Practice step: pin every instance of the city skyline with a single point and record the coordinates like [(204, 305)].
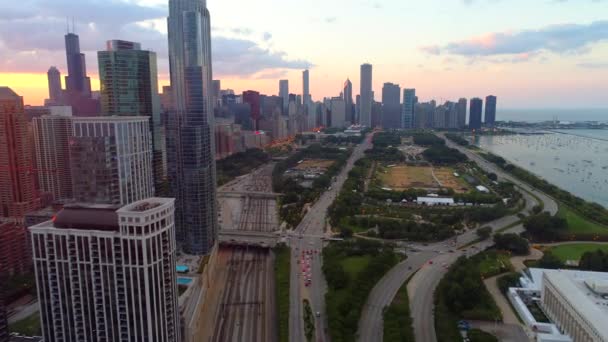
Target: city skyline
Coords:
[(488, 56)]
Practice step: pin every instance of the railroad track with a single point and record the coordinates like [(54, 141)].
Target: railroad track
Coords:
[(243, 314)]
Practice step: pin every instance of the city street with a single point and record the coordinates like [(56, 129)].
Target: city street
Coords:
[(308, 235)]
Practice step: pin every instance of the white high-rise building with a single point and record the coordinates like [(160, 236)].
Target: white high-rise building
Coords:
[(104, 274), (367, 97), (111, 159), (407, 113), (52, 134)]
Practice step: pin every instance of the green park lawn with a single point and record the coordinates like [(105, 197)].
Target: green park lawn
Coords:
[(491, 265), (575, 251), (578, 224), (29, 326), (355, 264)]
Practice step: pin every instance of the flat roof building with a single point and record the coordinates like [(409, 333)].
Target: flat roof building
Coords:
[(105, 273)]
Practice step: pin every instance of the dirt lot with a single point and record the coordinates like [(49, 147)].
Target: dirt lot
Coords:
[(314, 163), (404, 177)]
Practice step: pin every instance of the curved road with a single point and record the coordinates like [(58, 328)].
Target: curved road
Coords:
[(422, 286)]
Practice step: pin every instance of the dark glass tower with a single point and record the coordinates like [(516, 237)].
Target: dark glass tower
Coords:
[(76, 81), (490, 115), (475, 113), (190, 142)]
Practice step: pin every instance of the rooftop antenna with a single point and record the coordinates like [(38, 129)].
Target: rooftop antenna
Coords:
[(73, 25), (67, 24)]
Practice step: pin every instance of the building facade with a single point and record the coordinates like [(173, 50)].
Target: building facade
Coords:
[(111, 159), (55, 90), (284, 92), (409, 104), (52, 135), (391, 106), (365, 107), (15, 257), (348, 102), (338, 112), (104, 274), (475, 113), (306, 99), (461, 109), (490, 113), (129, 87), (190, 138), (17, 185)]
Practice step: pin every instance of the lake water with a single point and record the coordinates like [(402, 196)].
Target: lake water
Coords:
[(575, 160)]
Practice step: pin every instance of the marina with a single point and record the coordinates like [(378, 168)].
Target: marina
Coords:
[(575, 160)]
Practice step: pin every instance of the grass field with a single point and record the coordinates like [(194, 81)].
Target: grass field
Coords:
[(29, 326), (404, 177), (575, 251), (355, 264), (491, 265), (578, 224), (314, 163)]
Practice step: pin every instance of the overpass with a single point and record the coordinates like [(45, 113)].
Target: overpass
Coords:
[(248, 194), (247, 238)]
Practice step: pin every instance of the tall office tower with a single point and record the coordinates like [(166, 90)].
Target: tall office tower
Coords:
[(451, 113), (348, 102), (284, 92), (462, 113), (358, 109), (17, 191), (15, 256), (52, 154), (338, 112), (252, 98), (439, 116), (111, 159), (475, 113), (76, 81), (391, 106), (306, 89), (365, 115), (217, 89), (129, 87), (108, 275), (407, 112), (55, 91), (191, 144), (490, 114)]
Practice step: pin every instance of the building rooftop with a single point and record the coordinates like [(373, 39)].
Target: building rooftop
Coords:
[(576, 287), (145, 205), (87, 217), (7, 93)]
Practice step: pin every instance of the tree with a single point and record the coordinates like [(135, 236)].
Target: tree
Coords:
[(513, 243), (484, 233), (594, 261), (545, 227), (549, 260), (492, 176)]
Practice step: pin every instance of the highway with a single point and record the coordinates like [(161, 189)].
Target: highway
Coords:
[(422, 286), (308, 236)]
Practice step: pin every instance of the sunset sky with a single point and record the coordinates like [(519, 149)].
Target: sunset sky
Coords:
[(530, 53)]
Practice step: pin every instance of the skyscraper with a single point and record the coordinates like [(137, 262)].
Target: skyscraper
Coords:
[(129, 87), (348, 101), (461, 108), (305, 88), (111, 159), (475, 113), (55, 91), (108, 275), (407, 113), (490, 114), (391, 106), (17, 192), (284, 93), (190, 142), (338, 112), (52, 134), (76, 82), (365, 115), (252, 98), (217, 89)]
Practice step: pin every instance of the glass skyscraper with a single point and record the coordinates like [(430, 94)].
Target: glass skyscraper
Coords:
[(129, 87), (190, 143), (475, 113)]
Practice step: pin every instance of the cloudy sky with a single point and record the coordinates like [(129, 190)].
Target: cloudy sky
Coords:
[(531, 53)]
